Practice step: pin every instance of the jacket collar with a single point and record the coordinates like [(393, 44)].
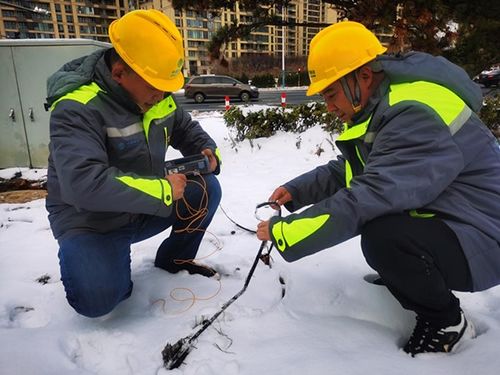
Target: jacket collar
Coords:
[(372, 103)]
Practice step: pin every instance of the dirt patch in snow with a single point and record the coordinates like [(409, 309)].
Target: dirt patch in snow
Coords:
[(21, 190), (22, 196)]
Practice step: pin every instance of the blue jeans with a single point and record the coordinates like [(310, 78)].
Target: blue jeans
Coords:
[(95, 267)]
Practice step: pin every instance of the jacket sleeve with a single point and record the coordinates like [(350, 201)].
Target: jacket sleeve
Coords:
[(189, 137), (316, 185), (413, 160), (86, 179)]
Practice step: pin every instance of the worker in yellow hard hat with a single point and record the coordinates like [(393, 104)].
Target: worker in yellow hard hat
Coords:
[(418, 179), (113, 118)]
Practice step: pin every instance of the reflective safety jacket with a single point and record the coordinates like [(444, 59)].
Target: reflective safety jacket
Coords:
[(418, 148), (106, 163)]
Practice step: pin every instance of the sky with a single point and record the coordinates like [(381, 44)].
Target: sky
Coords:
[(321, 318)]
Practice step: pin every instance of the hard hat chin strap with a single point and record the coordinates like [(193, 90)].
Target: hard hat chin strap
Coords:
[(354, 98)]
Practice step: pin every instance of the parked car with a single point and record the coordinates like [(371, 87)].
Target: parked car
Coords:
[(489, 76), (204, 87)]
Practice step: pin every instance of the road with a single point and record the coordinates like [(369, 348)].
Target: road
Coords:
[(270, 97), (266, 97)]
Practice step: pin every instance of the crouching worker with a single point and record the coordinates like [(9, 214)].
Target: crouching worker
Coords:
[(419, 180), (113, 117)]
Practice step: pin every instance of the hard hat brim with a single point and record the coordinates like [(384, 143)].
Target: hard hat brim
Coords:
[(166, 85), (319, 86)]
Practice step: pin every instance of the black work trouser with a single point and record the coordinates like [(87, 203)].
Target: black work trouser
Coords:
[(420, 261)]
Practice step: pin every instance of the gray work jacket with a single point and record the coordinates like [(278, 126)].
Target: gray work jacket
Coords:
[(419, 148)]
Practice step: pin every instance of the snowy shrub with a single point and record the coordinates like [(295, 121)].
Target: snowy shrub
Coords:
[(267, 122)]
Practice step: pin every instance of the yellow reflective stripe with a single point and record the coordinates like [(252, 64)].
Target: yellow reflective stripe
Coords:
[(289, 234), (355, 131), (442, 100), (159, 188), (218, 154), (348, 174), (359, 156), (423, 215), (83, 94), (161, 109)]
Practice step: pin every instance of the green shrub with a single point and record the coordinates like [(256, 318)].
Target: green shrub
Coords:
[(263, 80), (297, 79), (267, 122), (490, 114), (243, 78)]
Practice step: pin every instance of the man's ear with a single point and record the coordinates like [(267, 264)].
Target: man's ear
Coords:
[(118, 71), (365, 75)]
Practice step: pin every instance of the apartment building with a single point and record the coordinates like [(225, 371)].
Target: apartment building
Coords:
[(36, 19), (90, 19), (197, 29)]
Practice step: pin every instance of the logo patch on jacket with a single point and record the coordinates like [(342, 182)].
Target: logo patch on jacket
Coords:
[(124, 145)]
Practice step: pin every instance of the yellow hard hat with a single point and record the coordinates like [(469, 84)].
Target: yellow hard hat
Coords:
[(338, 50), (149, 42)]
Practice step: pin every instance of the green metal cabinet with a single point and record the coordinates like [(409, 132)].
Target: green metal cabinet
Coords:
[(25, 66)]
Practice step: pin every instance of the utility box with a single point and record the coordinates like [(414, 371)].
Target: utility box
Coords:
[(25, 65)]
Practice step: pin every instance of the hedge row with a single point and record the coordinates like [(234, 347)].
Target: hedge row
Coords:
[(269, 80), (267, 122)]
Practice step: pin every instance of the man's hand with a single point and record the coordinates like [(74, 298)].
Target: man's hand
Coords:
[(178, 184), (212, 160), (280, 196), (263, 231)]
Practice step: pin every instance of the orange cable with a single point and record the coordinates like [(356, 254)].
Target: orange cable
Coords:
[(194, 214)]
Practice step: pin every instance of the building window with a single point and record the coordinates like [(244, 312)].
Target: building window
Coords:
[(10, 25), (45, 27), (197, 34), (196, 23)]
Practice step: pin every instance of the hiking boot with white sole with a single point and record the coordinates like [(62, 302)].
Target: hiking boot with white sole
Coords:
[(427, 338)]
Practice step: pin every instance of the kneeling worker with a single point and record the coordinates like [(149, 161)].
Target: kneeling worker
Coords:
[(113, 118)]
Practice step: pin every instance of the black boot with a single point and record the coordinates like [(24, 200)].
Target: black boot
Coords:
[(188, 265), (427, 338)]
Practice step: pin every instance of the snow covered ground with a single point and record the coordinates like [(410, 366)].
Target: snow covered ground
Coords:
[(330, 321)]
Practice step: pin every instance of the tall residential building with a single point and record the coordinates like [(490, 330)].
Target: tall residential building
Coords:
[(90, 19), (197, 28), (37, 19)]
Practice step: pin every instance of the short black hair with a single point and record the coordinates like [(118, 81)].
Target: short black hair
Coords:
[(113, 57)]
